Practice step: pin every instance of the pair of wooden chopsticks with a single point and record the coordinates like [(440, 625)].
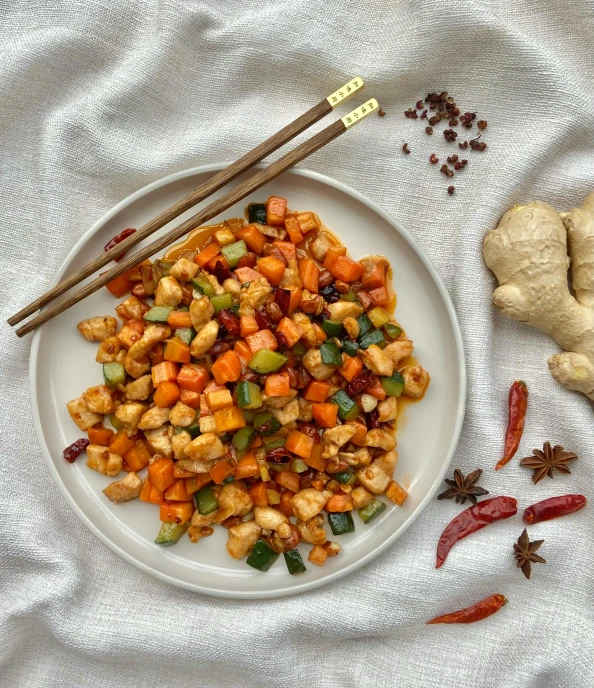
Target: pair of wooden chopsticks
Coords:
[(213, 184)]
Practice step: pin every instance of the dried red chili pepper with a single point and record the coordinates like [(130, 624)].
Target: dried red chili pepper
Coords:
[(118, 240), (229, 321), (476, 612), (472, 519), (517, 403), (72, 452), (553, 508)]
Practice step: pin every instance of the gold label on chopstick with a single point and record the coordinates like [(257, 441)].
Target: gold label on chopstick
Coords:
[(360, 112), (346, 91)]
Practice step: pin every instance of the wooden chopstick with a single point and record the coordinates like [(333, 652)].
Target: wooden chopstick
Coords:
[(259, 179), (204, 191)]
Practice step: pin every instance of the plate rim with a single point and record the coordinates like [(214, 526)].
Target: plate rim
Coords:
[(297, 587)]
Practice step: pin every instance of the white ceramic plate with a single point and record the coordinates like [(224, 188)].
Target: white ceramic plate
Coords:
[(63, 365)]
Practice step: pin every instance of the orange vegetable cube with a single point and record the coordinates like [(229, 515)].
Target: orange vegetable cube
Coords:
[(161, 473), (286, 504), (287, 249), (150, 494), (277, 385), (351, 367), (181, 473), (253, 238), (395, 493), (272, 268), (194, 483), (308, 221), (189, 398), (293, 229), (120, 285), (247, 325), (227, 419), (227, 368), (360, 431), (276, 209), (288, 480), (179, 319), (247, 275), (259, 494), (176, 512), (262, 340), (379, 296), (324, 414), (346, 269), (193, 377), (177, 351), (375, 389), (99, 434), (339, 503), (210, 252), (219, 399), (164, 372), (315, 460), (299, 443), (333, 253), (290, 331), (317, 391), (374, 273), (212, 264), (309, 273), (167, 395), (137, 457), (242, 349), (317, 555), (247, 467), (121, 443), (177, 492), (221, 470), (321, 336), (131, 332)]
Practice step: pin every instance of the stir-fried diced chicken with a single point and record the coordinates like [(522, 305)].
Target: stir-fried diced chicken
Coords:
[(99, 399), (103, 461), (154, 418), (316, 367), (125, 489), (312, 531), (288, 413), (129, 414), (242, 538), (108, 350), (377, 361), (271, 519), (183, 270), (379, 437), (309, 502), (99, 328), (320, 246), (205, 447), (201, 312), (415, 381), (168, 292), (80, 414), (344, 309), (160, 440), (373, 478), (179, 442), (204, 339), (254, 296), (234, 500), (399, 350), (139, 389), (181, 415), (339, 435), (387, 409)]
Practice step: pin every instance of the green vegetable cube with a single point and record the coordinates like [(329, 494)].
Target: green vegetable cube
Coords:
[(158, 313), (378, 316), (233, 252), (393, 385), (262, 557), (114, 374), (294, 562), (266, 361)]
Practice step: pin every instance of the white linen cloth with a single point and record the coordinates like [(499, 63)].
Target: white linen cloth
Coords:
[(98, 98)]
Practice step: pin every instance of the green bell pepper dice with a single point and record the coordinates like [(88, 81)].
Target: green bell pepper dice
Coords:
[(114, 374), (233, 252), (294, 562), (347, 408), (332, 329), (243, 438), (330, 353), (266, 424), (220, 301), (257, 213), (205, 500), (364, 324), (341, 523), (249, 395), (170, 533), (262, 557), (186, 334), (349, 346), (203, 285), (375, 337), (393, 385), (373, 509), (266, 361), (158, 313), (392, 330)]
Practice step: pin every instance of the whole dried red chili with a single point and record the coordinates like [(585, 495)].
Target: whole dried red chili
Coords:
[(553, 508), (472, 519), (476, 612), (517, 404), (229, 321), (72, 452), (118, 240)]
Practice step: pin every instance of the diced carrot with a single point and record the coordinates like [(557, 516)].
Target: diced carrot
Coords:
[(289, 480), (360, 431), (161, 473), (276, 209), (286, 505), (196, 482), (308, 221), (189, 398), (204, 407), (120, 285), (137, 457), (338, 503), (167, 394), (99, 434), (212, 386), (247, 325), (290, 331), (120, 443), (262, 340), (374, 273), (375, 389), (220, 471), (258, 494), (207, 254), (277, 385), (346, 269), (219, 399), (227, 368), (181, 473), (295, 298), (379, 296), (135, 274), (179, 319), (315, 460), (258, 442), (351, 367), (228, 419), (212, 264), (177, 492), (247, 467), (293, 229), (272, 268), (317, 391), (333, 253), (243, 350), (318, 484), (176, 512), (317, 555), (309, 273), (177, 351), (253, 237), (193, 377), (299, 443), (150, 493), (164, 372), (131, 332), (321, 336), (395, 493), (287, 249), (247, 275), (157, 354), (324, 414)]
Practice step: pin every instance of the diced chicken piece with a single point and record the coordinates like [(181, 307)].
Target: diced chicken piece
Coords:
[(278, 402), (224, 236), (319, 246), (134, 307), (130, 414), (201, 312), (202, 520), (140, 389), (379, 437), (377, 361), (399, 349), (363, 456), (388, 462), (195, 465), (309, 502), (80, 414), (341, 310), (416, 380), (274, 232), (183, 270), (288, 413), (368, 402), (352, 327), (387, 409), (204, 339), (207, 447), (125, 489), (312, 531), (108, 350), (242, 538), (137, 362), (99, 399), (168, 292), (179, 442), (330, 449), (361, 497), (291, 276), (160, 440), (271, 519), (154, 418), (254, 296), (305, 410), (234, 500), (305, 327), (339, 435), (316, 367), (103, 461), (207, 424), (373, 478), (181, 415), (233, 287), (99, 328)]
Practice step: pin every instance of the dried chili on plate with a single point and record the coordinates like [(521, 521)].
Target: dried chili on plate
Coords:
[(118, 240), (72, 452), (553, 508), (476, 612), (518, 403)]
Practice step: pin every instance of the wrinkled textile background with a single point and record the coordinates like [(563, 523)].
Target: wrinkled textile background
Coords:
[(100, 97)]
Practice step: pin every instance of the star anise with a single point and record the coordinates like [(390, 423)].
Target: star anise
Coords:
[(463, 488), (549, 459), (524, 553)]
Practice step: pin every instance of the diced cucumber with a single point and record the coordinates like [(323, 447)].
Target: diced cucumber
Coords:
[(349, 346), (373, 509), (116, 422), (186, 334), (249, 395), (257, 213), (193, 429), (347, 408), (220, 301), (392, 330), (341, 523), (393, 385), (262, 557), (203, 285), (233, 252), (158, 313), (374, 337), (266, 361), (298, 465), (364, 324), (243, 438), (344, 477), (275, 444), (170, 533), (205, 500), (294, 562), (378, 316), (330, 353), (299, 349), (266, 424), (349, 296), (332, 329), (114, 374)]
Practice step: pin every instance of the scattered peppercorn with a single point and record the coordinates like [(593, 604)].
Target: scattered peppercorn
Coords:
[(433, 159), (477, 145), (453, 122), (451, 189), (458, 166), (450, 135), (419, 104), (424, 114), (482, 124), (405, 148), (464, 163), (429, 130), (444, 169), (436, 119), (463, 145), (381, 112)]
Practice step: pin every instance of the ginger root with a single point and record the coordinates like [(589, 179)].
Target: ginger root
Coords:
[(530, 252)]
